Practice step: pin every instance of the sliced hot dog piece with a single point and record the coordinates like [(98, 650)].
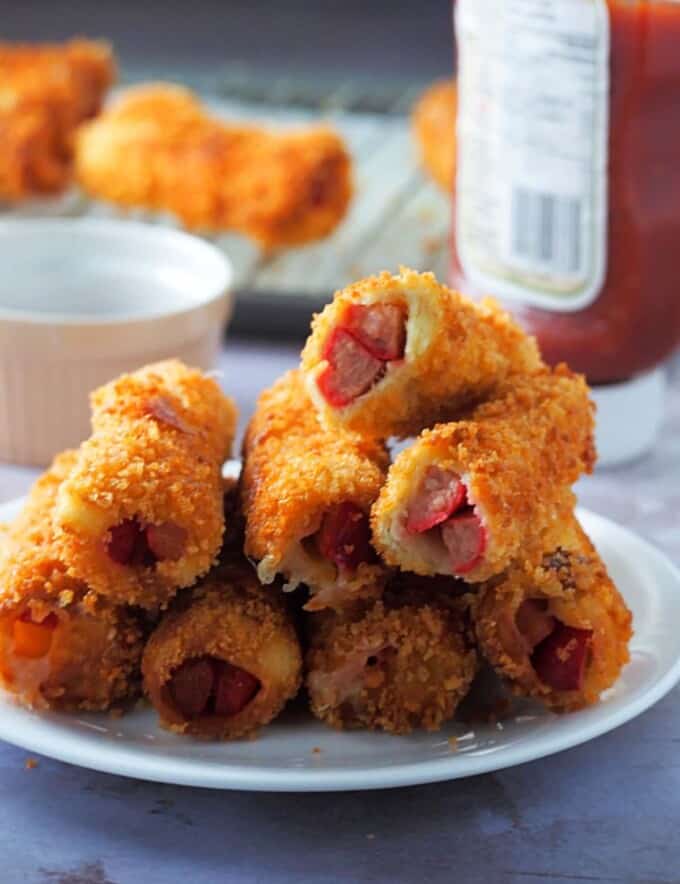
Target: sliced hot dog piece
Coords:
[(128, 544), (132, 544), (191, 687), (534, 622), (166, 541), (465, 538), (123, 540), (560, 659), (351, 369), (234, 688), (344, 537), (380, 328), (440, 494), (31, 639)]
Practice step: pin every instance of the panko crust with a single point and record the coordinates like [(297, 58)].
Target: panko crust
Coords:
[(293, 471), (159, 148), (30, 161), (95, 655), (422, 667), (159, 438), (232, 617), (433, 123), (46, 90), (518, 454), (456, 352), (574, 581)]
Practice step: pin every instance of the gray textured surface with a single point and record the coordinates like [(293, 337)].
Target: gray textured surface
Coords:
[(606, 811)]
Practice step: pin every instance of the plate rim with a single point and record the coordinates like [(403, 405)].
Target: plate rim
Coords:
[(232, 775)]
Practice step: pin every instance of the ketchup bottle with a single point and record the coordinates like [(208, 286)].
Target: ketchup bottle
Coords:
[(567, 196)]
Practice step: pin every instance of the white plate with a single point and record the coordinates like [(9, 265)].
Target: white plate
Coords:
[(299, 754)]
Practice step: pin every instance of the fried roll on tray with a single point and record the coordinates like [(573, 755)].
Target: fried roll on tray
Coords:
[(31, 161), (391, 355), (225, 659), (401, 663), (45, 92), (555, 628), (467, 496), (159, 148), (306, 496), (141, 513), (61, 646), (434, 127)]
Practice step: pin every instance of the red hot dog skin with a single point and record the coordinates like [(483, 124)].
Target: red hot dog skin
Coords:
[(554, 626), (225, 659)]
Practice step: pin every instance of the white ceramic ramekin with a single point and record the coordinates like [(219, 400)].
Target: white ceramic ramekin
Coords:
[(82, 301)]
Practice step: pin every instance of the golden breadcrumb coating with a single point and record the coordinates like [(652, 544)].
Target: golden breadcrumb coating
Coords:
[(45, 92), (228, 617), (294, 471), (456, 352), (517, 455), (571, 582), (61, 646), (400, 664), (433, 122), (31, 161), (160, 149), (160, 436)]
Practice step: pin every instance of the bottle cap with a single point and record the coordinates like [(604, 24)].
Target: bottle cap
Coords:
[(629, 417)]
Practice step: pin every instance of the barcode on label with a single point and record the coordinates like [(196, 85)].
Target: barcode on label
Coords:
[(546, 230)]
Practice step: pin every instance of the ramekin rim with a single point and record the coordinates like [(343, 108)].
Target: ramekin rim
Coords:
[(219, 290)]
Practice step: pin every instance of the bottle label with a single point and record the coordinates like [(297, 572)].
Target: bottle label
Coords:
[(531, 183)]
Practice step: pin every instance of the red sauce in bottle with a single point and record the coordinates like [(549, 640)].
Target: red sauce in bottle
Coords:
[(634, 322)]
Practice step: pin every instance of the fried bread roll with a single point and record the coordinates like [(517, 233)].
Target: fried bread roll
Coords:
[(391, 355), (433, 123), (141, 513), (554, 626), (158, 148), (401, 663), (467, 496), (225, 659), (61, 646), (31, 160), (306, 494), (45, 92)]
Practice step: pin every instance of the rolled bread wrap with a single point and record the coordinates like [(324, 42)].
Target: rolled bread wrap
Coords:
[(554, 626), (46, 90), (306, 494), (401, 663), (467, 496), (141, 513), (61, 646), (158, 148), (225, 659), (391, 355)]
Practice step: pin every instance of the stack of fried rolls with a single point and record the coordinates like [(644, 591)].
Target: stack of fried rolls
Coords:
[(110, 534), (473, 549), (382, 583)]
